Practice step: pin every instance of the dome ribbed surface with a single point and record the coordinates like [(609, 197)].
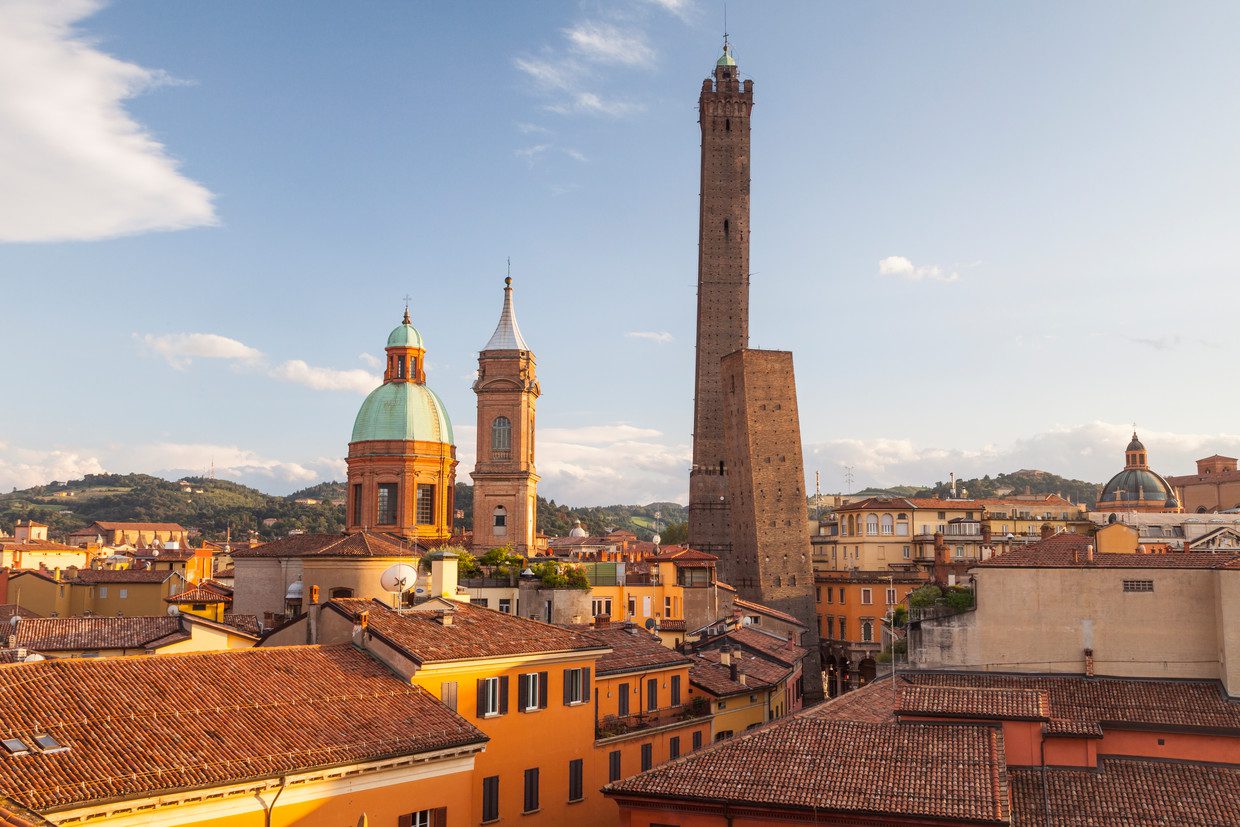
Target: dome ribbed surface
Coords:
[(405, 335), (1132, 481), (403, 410)]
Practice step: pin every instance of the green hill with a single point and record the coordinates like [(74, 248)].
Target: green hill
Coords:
[(212, 506), (1021, 482)]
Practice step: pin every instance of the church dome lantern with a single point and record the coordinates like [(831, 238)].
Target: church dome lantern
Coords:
[(1138, 487)]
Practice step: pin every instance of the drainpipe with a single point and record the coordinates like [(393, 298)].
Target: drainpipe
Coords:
[(267, 808)]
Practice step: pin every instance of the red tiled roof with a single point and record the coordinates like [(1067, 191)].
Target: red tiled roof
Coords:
[(107, 576), (9, 544), (844, 767), (1127, 793), (359, 544), (1077, 703), (632, 649), (767, 610), (936, 503), (975, 702), (666, 625), (762, 643), (474, 632), (244, 623), (135, 727), (682, 555), (67, 634), (1068, 550), (712, 676), (10, 610), (114, 526), (200, 594), (875, 703), (759, 669)]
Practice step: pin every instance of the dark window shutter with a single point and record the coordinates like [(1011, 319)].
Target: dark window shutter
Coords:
[(503, 695), (585, 684), (523, 691), (675, 690), (622, 700), (542, 690), (481, 708), (439, 817), (568, 684), (405, 821)]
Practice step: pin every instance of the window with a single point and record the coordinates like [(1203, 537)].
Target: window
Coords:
[(576, 685), (357, 504), (124, 593), (600, 606), (447, 694), (843, 628), (647, 756), (871, 523), (505, 605), (499, 521), (902, 527), (830, 627), (866, 597), (103, 591), (613, 765), (891, 597), (867, 631), (693, 578), (387, 503), (426, 504), (400, 368), (492, 696), (675, 690), (490, 798), (340, 592), (632, 607), (673, 746), (47, 743), (888, 524), (437, 817), (830, 594), (723, 735), (907, 552), (622, 700), (1138, 585), (841, 595), (532, 691), (501, 437), (531, 790), (667, 607), (15, 746), (942, 515), (959, 551), (574, 780), (652, 694), (697, 740)]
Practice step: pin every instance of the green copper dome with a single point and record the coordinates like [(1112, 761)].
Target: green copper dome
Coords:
[(726, 58), (403, 410), (405, 335)]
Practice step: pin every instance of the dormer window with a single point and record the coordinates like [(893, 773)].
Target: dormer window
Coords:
[(16, 746)]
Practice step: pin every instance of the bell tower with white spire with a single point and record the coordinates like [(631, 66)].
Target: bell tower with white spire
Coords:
[(505, 481)]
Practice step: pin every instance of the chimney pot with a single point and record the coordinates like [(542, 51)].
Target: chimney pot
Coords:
[(1089, 553), (733, 671), (1089, 663), (602, 621)]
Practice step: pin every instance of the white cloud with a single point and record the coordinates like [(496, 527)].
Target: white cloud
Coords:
[(180, 349), (604, 43), (661, 337), (532, 129), (1093, 451), (371, 360), (903, 268), (75, 165), (552, 74), (575, 155), (681, 8), (530, 153), (23, 467), (326, 379)]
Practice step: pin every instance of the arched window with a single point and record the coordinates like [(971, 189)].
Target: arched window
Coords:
[(888, 524), (871, 523), (340, 591), (400, 368), (778, 581), (867, 631), (499, 522), (501, 435), (852, 525)]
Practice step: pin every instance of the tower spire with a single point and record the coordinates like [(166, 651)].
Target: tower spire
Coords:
[(507, 335)]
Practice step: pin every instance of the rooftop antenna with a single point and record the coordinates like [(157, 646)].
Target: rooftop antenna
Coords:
[(725, 25), (848, 478), (818, 496)]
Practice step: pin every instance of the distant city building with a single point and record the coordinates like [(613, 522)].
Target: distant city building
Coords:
[(1137, 487), (402, 457), (1215, 486), (115, 534), (505, 480)]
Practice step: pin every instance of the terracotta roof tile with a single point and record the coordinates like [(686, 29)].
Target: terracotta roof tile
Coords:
[(633, 648), (712, 676), (115, 526), (474, 632), (67, 634), (767, 645), (976, 702), (767, 610), (845, 767), (359, 544), (204, 592), (138, 726), (764, 671), (36, 545), (875, 703), (10, 610), (1068, 550), (107, 576), (245, 623), (682, 555), (1127, 793)]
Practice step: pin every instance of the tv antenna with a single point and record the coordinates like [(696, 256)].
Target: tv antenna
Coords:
[(848, 478)]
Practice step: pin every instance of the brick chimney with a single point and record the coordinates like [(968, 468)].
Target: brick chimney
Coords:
[(725, 655), (733, 671), (940, 559), (1047, 530), (1089, 663), (602, 621)]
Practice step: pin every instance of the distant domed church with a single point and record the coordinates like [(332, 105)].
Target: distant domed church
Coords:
[(402, 458), (1137, 487)]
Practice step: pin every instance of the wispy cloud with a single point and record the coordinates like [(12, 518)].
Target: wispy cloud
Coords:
[(661, 337), (75, 165), (608, 44), (575, 155), (371, 360), (1171, 342), (180, 350), (532, 129), (530, 153), (901, 267), (684, 9)]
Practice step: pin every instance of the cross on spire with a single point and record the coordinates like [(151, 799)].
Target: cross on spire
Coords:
[(408, 298)]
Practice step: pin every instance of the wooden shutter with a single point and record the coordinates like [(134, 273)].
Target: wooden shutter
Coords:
[(542, 690), (405, 821), (568, 684), (503, 695), (481, 708), (675, 690), (585, 684), (523, 692), (439, 817), (622, 700)]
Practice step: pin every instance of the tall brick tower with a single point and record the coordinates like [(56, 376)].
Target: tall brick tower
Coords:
[(723, 291), (505, 482), (769, 561)]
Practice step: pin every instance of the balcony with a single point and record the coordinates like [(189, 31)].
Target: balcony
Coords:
[(614, 727)]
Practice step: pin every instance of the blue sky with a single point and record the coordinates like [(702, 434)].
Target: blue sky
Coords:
[(993, 235)]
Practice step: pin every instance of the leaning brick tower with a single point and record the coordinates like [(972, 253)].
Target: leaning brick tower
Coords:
[(723, 291)]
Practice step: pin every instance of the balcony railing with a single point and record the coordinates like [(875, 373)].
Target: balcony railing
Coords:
[(613, 725)]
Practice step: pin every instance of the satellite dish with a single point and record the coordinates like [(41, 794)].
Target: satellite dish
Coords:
[(34, 658), (650, 623), (14, 620), (399, 578), (173, 611)]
